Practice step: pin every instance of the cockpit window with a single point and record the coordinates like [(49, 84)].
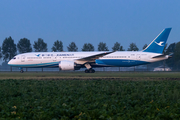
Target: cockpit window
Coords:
[(14, 58)]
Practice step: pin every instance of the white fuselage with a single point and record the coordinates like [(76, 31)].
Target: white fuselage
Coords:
[(52, 59), (76, 60)]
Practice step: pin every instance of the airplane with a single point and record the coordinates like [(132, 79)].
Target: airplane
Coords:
[(89, 60)]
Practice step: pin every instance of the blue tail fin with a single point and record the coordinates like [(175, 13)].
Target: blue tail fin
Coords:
[(158, 44)]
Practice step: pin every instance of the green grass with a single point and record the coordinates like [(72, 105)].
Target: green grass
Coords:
[(17, 75), (89, 99)]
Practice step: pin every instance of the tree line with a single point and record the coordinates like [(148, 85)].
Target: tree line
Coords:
[(9, 49)]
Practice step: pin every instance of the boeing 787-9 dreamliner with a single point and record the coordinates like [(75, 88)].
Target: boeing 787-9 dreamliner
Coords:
[(89, 60)]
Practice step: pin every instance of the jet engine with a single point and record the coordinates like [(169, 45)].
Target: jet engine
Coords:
[(68, 65)]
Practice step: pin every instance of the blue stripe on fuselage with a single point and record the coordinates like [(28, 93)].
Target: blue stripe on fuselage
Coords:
[(52, 64), (120, 62), (109, 62)]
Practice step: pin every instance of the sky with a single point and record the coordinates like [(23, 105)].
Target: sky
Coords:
[(89, 21)]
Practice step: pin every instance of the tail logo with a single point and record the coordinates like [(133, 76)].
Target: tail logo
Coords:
[(160, 43)]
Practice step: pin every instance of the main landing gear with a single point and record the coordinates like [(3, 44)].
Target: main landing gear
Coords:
[(89, 68), (89, 71)]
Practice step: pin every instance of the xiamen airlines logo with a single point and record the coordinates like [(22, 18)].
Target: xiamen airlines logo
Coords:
[(37, 55), (160, 43)]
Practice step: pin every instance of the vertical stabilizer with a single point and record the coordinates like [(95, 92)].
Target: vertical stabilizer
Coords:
[(158, 44)]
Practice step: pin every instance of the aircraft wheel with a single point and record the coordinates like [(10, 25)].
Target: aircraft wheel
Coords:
[(86, 71), (92, 71), (21, 71)]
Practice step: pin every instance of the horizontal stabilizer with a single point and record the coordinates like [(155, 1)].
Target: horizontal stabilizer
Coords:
[(161, 56)]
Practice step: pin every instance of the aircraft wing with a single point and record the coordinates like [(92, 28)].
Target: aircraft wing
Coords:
[(94, 57)]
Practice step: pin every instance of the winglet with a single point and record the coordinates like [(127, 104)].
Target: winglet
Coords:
[(158, 44)]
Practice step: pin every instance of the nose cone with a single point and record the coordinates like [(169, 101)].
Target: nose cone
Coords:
[(10, 62)]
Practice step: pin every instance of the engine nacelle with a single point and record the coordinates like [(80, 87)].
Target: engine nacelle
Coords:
[(68, 65)]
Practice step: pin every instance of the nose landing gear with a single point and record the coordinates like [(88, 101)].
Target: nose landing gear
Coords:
[(21, 70)]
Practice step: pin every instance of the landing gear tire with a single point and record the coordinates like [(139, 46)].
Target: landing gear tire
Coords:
[(21, 71), (92, 71), (86, 71), (89, 71)]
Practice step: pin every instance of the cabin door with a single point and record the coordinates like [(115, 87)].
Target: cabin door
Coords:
[(54, 58), (23, 58), (138, 56)]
